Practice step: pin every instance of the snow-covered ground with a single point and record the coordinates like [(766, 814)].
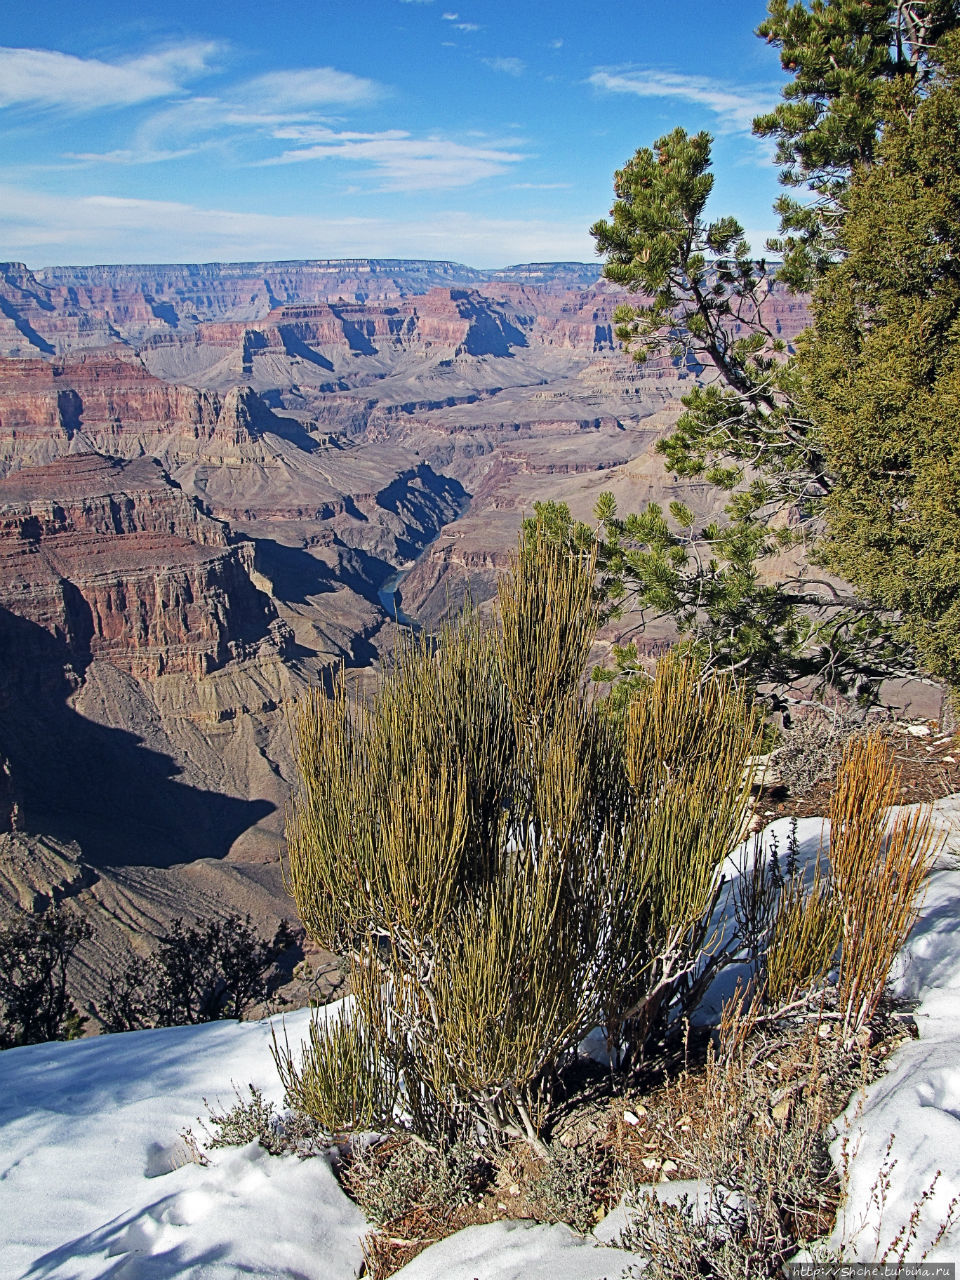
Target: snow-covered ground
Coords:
[(95, 1181)]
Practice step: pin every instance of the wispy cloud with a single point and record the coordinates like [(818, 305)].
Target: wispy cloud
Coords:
[(312, 87), (401, 162), (272, 106), (44, 229), (461, 26), (510, 66), (128, 156), (733, 105), (280, 117), (48, 78), (184, 122)]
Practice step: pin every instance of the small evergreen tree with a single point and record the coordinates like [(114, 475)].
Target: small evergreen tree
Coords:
[(749, 430), (35, 953), (199, 973), (843, 56)]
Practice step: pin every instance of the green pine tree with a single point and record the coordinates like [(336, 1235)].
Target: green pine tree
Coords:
[(881, 376), (749, 429)]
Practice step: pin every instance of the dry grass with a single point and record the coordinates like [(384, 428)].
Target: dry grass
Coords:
[(750, 1118), (877, 872), (751, 1123)]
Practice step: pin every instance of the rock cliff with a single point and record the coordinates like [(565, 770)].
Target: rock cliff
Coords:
[(114, 560), (208, 474)]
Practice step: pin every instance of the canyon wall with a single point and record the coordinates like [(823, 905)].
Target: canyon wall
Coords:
[(207, 475)]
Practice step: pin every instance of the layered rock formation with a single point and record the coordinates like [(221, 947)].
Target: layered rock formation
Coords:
[(109, 403), (208, 476), (114, 560), (66, 308)]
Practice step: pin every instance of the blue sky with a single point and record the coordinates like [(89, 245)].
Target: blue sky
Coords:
[(483, 131)]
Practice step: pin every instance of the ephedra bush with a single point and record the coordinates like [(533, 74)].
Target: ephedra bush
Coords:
[(506, 867), (847, 917)]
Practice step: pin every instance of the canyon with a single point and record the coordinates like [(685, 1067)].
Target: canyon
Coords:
[(211, 479)]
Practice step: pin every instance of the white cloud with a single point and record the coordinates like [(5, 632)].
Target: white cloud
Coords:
[(280, 114), (280, 104), (44, 229), (403, 163), (511, 66), (125, 156), (321, 133), (48, 78), (450, 17), (467, 26), (734, 105), (312, 87)]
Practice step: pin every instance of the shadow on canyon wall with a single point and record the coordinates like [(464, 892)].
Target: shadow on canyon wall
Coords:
[(75, 779)]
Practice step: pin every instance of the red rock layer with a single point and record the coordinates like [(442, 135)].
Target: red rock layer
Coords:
[(107, 401), (114, 560)]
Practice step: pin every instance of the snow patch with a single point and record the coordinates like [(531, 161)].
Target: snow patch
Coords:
[(517, 1251), (95, 1181)]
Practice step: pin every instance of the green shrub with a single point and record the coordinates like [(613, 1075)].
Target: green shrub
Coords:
[(343, 1080), (507, 867)]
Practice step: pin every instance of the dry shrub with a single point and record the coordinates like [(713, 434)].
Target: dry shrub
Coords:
[(391, 1179), (877, 870), (751, 1125), (508, 869), (811, 749), (569, 1187), (849, 917), (287, 1133), (413, 1194)]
